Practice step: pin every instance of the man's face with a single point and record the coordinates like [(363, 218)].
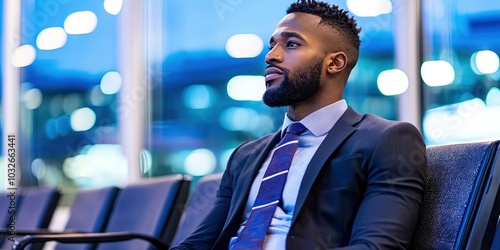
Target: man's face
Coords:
[(294, 87), (295, 61)]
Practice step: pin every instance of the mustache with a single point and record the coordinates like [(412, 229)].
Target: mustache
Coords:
[(278, 67)]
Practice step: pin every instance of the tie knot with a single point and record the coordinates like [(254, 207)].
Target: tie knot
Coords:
[(296, 128)]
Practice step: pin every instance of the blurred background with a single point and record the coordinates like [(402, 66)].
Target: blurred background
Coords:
[(105, 92)]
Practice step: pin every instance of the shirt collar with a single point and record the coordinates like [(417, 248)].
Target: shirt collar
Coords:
[(322, 120)]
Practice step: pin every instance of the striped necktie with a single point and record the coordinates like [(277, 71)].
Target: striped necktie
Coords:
[(270, 191)]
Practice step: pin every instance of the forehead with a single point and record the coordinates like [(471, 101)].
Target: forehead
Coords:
[(302, 23)]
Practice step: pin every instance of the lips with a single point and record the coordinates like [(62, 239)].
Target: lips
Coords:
[(272, 73)]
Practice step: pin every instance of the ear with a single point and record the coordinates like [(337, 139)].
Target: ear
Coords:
[(336, 62)]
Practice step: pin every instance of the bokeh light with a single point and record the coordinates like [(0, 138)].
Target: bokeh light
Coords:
[(371, 8), (485, 62), (111, 83), (392, 82), (51, 38), (23, 56), (200, 162), (113, 7), (81, 22), (246, 88), (82, 119), (244, 46), (32, 98), (199, 96), (437, 73)]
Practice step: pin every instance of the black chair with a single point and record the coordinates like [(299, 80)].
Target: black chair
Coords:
[(9, 204), (199, 205), (144, 214), (5, 204), (496, 240), (89, 213), (458, 210), (34, 212)]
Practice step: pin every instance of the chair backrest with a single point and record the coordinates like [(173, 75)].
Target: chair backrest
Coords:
[(38, 206), (36, 210), (458, 209), (89, 212), (9, 203), (152, 207), (4, 204), (197, 208)]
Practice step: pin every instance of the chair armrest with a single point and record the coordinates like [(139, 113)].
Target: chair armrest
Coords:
[(87, 238), (5, 231), (38, 231)]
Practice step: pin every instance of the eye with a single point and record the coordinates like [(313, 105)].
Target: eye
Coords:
[(271, 46), (291, 44)]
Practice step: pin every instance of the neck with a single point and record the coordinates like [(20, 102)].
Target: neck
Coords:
[(299, 111)]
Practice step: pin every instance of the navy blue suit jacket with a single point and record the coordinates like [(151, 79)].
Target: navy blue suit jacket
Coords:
[(362, 189)]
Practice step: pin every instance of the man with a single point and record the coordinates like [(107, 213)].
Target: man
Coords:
[(355, 181)]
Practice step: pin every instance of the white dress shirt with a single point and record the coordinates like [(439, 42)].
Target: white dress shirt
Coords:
[(318, 124)]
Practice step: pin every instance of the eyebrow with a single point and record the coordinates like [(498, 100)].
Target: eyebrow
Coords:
[(288, 34)]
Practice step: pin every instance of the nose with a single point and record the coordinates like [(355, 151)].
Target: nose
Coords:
[(274, 55)]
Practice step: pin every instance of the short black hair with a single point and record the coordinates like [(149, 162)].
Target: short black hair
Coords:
[(332, 16)]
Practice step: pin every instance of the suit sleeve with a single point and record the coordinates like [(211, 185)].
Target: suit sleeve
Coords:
[(388, 214), (210, 228)]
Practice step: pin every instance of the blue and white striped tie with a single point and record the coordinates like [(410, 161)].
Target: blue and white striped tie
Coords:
[(270, 191)]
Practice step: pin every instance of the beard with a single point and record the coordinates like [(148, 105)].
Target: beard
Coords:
[(296, 87)]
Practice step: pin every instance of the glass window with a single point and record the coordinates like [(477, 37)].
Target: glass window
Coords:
[(207, 94), (461, 96), (69, 96), (3, 173)]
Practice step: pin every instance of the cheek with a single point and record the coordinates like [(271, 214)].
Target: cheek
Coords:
[(301, 59)]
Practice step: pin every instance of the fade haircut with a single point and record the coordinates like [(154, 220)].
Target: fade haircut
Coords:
[(333, 17)]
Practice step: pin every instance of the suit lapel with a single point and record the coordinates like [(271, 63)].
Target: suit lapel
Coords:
[(248, 172), (339, 132)]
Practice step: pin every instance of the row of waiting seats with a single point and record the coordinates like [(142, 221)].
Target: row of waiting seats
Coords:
[(148, 211), (25, 208), (460, 209)]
